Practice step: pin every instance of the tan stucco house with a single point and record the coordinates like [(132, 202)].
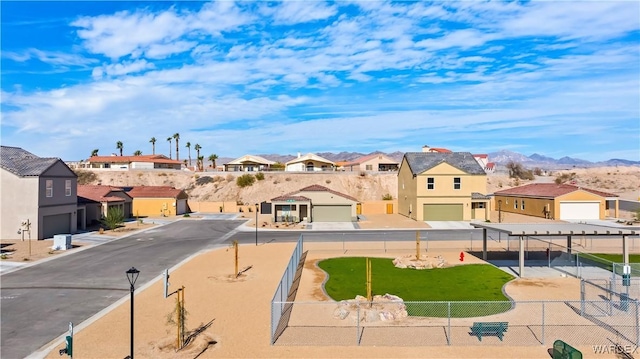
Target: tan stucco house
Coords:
[(248, 163), (378, 162), (557, 201), (309, 163), (142, 162), (38, 191), (314, 203), (442, 186), (98, 199), (154, 201)]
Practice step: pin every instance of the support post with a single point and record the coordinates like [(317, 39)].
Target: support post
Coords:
[(625, 250), (521, 257), (448, 323), (484, 244), (568, 244), (417, 245), (542, 323)]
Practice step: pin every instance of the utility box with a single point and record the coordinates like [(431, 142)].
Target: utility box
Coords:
[(61, 242)]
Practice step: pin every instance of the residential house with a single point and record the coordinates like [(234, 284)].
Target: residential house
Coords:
[(314, 203), (98, 200), (442, 186), (426, 148), (38, 195), (162, 201), (557, 201), (310, 163), (490, 167), (373, 162), (248, 163), (142, 162)]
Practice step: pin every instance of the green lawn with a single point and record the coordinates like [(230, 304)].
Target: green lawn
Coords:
[(604, 260), (472, 282)]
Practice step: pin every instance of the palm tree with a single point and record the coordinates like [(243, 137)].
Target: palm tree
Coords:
[(153, 143), (94, 153), (189, 147), (119, 146), (213, 159), (169, 139), (198, 148), (200, 160), (176, 136), (137, 153), (185, 163)]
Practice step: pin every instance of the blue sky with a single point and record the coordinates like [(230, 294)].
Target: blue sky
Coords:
[(556, 78)]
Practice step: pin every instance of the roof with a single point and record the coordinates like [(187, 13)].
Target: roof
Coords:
[(319, 188), (366, 158), (548, 190), (309, 157), (421, 161), (155, 192), (490, 165), (24, 163), (128, 159), (555, 229), (482, 155), (98, 193), (290, 198), (250, 158), (478, 195)]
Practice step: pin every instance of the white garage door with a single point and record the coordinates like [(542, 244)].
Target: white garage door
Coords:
[(332, 213), (579, 210)]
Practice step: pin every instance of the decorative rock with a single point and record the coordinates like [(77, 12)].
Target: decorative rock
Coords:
[(341, 312)]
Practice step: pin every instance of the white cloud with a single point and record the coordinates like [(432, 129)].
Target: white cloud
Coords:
[(295, 12), (123, 68), (55, 58)]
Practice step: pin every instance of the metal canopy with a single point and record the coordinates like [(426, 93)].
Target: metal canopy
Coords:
[(556, 229)]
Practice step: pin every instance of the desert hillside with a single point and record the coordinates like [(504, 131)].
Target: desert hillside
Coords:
[(221, 186)]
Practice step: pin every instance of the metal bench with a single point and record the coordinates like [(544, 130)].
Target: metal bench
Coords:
[(480, 329)]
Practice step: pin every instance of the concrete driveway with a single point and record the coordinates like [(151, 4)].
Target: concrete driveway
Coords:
[(449, 224)]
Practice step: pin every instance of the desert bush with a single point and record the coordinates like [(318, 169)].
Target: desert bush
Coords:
[(277, 166), (276, 181), (387, 197), (327, 181), (245, 180), (259, 176), (196, 176), (288, 179), (363, 173), (86, 177), (517, 171), (564, 177), (204, 180), (162, 174), (537, 171), (114, 218), (218, 178)]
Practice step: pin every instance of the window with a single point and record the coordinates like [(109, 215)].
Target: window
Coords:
[(456, 182), (515, 204), (67, 188), (49, 190), (431, 183), (369, 167), (522, 205)]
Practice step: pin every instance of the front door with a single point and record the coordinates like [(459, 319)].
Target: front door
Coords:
[(303, 213)]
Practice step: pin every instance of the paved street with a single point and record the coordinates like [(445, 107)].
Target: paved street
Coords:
[(38, 302)]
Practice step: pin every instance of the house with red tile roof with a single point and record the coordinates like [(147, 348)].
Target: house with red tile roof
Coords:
[(142, 162), (374, 162), (98, 199), (426, 148), (314, 203), (557, 201), (155, 201)]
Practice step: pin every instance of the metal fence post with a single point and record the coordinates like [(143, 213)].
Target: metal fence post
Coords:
[(542, 323), (448, 323), (637, 323), (549, 255), (578, 274), (343, 250), (582, 297)]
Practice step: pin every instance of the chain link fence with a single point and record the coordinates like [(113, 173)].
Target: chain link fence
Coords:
[(279, 304), (398, 323)]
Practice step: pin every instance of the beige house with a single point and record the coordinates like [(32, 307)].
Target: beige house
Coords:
[(442, 186), (373, 162), (142, 162), (557, 201), (314, 203), (162, 201), (248, 163), (98, 199), (38, 195), (309, 163)]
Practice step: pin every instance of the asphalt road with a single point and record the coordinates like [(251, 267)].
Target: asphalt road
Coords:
[(38, 302), (626, 205)]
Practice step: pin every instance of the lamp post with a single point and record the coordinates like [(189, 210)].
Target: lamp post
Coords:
[(499, 211), (257, 224), (132, 276)]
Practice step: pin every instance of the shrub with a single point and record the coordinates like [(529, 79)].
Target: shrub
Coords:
[(186, 215), (86, 177), (218, 178), (537, 171), (259, 176), (363, 173), (288, 179), (387, 197), (114, 218), (204, 180), (245, 180), (327, 181)]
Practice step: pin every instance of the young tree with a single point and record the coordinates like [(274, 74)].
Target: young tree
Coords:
[(213, 159), (94, 153), (114, 218), (176, 136), (189, 147), (169, 139), (137, 153), (119, 146), (153, 144)]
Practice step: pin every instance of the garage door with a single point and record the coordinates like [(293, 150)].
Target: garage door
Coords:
[(579, 210), (443, 212), (56, 224), (182, 206), (331, 214)]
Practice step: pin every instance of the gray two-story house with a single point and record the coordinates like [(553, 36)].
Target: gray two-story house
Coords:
[(39, 191)]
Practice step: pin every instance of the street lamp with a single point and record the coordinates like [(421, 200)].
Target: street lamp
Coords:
[(256, 224), (132, 276)]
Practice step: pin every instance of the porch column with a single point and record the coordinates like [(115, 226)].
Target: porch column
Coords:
[(521, 257), (617, 208), (568, 244), (484, 244)]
